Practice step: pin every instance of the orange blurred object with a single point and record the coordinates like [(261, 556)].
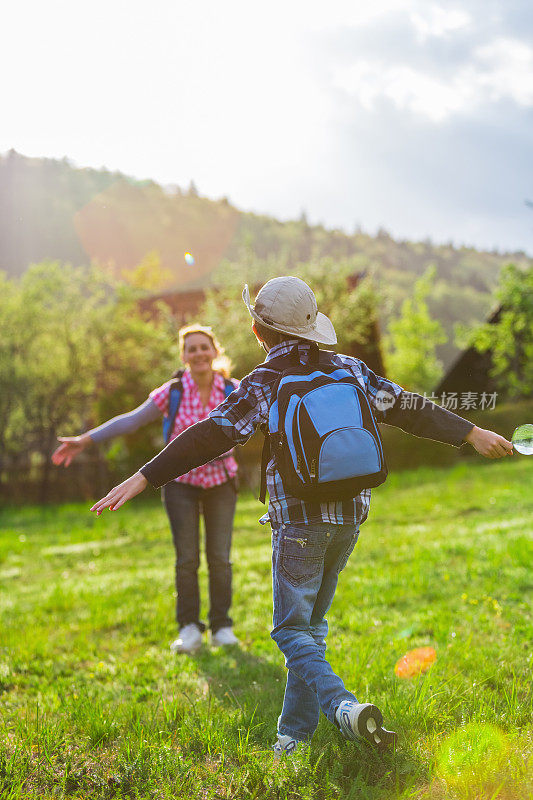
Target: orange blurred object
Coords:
[(414, 662)]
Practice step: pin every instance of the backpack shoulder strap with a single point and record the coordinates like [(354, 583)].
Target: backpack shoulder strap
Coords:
[(174, 401), (228, 388), (283, 364), (279, 363), (265, 458)]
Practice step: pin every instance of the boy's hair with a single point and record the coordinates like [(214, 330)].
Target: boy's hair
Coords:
[(221, 363), (271, 337)]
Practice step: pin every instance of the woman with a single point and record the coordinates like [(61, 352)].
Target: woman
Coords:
[(209, 489)]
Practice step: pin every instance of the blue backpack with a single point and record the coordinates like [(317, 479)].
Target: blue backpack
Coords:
[(174, 401), (321, 431)]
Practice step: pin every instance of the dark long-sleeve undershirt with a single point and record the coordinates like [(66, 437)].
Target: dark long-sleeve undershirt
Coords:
[(419, 416), (197, 445), (206, 440)]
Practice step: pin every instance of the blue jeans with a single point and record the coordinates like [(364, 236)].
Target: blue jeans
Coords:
[(184, 503), (306, 561)]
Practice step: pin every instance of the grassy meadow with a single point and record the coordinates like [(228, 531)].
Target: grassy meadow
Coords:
[(94, 705)]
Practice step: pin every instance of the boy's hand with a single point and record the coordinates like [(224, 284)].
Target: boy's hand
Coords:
[(122, 493), (69, 448), (488, 443)]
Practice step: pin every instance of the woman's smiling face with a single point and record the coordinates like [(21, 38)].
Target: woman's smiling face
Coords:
[(198, 352)]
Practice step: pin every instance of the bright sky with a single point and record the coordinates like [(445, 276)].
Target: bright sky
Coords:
[(416, 115)]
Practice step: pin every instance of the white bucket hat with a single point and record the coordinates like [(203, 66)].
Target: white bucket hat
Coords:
[(288, 305)]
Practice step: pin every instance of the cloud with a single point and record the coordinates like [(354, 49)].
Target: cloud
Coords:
[(464, 181), (405, 87), (505, 69), (412, 114), (501, 69), (438, 21), (432, 123)]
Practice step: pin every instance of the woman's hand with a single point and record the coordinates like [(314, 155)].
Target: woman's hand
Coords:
[(488, 443), (71, 446), (122, 493)]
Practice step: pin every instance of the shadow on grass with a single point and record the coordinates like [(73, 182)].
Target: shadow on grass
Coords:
[(254, 685), (239, 679)]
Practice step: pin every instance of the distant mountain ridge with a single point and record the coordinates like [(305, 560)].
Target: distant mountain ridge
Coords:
[(50, 209)]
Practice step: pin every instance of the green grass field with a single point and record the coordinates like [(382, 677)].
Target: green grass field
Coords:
[(94, 705)]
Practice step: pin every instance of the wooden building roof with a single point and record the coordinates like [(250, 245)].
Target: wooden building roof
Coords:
[(471, 370)]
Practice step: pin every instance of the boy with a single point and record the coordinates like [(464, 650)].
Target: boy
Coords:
[(311, 541)]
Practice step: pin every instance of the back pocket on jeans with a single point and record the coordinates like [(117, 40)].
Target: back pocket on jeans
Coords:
[(298, 560)]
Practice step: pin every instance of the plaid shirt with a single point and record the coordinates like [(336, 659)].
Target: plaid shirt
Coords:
[(247, 408), (192, 410)]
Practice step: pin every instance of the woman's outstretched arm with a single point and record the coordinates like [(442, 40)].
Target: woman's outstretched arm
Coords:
[(71, 446)]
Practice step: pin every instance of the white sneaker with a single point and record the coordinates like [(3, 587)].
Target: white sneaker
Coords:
[(286, 745), (363, 721), (224, 637), (189, 640)]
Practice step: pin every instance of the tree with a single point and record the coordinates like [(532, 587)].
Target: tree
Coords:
[(412, 338), (149, 275), (510, 338), (74, 345)]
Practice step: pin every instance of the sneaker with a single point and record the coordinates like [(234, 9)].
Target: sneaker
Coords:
[(363, 721), (189, 640), (224, 637), (285, 745)]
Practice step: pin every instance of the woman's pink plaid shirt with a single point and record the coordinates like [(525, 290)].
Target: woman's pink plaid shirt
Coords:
[(190, 411)]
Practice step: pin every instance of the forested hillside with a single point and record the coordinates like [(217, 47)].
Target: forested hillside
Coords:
[(51, 209)]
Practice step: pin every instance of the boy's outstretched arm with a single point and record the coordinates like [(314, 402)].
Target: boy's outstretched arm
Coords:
[(122, 493), (488, 443), (419, 416), (195, 446), (236, 420)]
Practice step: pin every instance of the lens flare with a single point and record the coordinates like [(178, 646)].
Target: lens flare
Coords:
[(471, 750), (415, 662), (189, 259)]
